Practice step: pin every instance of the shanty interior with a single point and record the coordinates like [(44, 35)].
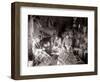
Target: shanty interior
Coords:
[(57, 40)]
